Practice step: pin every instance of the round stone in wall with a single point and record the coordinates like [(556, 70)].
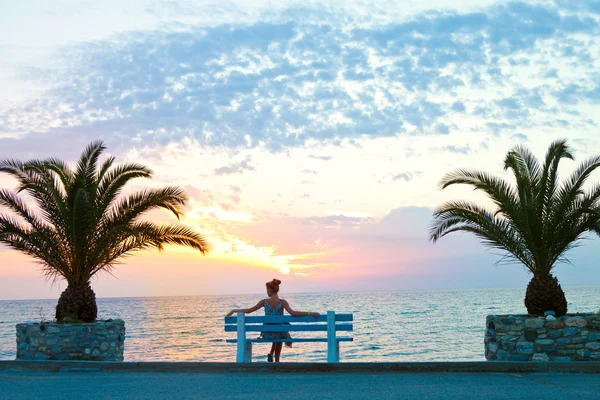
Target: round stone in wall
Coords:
[(534, 323), (540, 357), (525, 347), (594, 346), (530, 334)]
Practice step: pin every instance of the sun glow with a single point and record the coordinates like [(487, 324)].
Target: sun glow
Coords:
[(238, 251), (225, 231)]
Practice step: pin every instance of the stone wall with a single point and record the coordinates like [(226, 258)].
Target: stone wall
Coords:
[(523, 338), (99, 341)]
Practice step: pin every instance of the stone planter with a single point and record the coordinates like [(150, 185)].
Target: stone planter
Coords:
[(98, 341), (539, 339)]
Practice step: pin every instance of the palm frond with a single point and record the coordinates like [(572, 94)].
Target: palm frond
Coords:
[(170, 198), (88, 162), (549, 180), (566, 197), (491, 229), (62, 170), (113, 181), (497, 189), (525, 162), (145, 235), (14, 203), (106, 165)]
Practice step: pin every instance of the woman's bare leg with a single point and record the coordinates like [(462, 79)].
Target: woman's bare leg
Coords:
[(270, 356), (278, 351)]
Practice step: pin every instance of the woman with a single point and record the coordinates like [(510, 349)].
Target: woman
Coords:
[(274, 306)]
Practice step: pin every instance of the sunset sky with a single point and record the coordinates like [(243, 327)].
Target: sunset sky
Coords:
[(310, 136)]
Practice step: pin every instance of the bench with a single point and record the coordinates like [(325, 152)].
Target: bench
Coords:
[(324, 323)]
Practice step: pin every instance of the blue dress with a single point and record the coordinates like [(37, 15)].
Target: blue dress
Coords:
[(277, 310)]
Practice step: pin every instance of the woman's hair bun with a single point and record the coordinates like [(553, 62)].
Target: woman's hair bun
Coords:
[(274, 285)]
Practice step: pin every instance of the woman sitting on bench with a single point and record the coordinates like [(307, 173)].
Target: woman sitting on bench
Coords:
[(274, 306)]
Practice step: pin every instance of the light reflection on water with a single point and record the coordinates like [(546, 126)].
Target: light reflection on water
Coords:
[(388, 326)]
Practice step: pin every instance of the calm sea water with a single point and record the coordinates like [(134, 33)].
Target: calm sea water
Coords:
[(388, 326)]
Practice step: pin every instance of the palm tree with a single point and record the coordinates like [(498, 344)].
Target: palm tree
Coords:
[(535, 222), (81, 226)]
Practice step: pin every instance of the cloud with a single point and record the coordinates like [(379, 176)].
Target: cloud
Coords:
[(406, 176), (355, 248), (509, 103), (498, 128), (297, 77), (323, 158), (200, 195), (236, 167), (459, 106), (575, 93), (235, 194), (442, 129), (466, 149), (520, 136)]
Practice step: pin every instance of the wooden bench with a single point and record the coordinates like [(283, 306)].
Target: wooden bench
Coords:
[(242, 324)]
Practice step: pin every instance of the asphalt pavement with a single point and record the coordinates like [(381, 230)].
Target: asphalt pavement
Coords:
[(68, 385)]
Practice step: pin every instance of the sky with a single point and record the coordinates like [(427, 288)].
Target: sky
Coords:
[(310, 136)]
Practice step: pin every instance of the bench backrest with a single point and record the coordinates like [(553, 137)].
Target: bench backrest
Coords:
[(325, 323), (299, 324)]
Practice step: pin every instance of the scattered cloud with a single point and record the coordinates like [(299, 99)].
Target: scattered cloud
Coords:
[(236, 167), (323, 158), (406, 176), (442, 129), (499, 128), (235, 194), (466, 149), (520, 136), (299, 77), (458, 106)]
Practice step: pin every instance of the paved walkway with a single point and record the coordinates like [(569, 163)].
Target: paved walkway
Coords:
[(322, 386)]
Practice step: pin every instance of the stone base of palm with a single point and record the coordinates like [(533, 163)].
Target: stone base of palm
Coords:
[(542, 339), (99, 341)]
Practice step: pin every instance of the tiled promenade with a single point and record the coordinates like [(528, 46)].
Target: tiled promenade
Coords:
[(80, 381)]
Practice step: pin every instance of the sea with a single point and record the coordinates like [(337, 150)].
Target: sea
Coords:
[(424, 325)]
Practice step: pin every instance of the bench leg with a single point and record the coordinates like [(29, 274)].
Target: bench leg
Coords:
[(248, 352), (333, 352)]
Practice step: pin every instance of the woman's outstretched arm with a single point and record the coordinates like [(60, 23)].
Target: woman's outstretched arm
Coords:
[(294, 313), (245, 310)]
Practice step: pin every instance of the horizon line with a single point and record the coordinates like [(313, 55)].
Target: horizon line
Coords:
[(294, 293)]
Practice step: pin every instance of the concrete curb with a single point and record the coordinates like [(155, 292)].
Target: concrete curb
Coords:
[(585, 367)]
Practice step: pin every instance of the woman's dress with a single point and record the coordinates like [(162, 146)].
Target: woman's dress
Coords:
[(277, 310)]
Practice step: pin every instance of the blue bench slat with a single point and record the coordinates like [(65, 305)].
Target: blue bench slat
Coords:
[(289, 318), (289, 328), (300, 340)]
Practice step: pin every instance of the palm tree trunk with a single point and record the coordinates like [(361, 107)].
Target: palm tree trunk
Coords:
[(545, 294), (77, 303)]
